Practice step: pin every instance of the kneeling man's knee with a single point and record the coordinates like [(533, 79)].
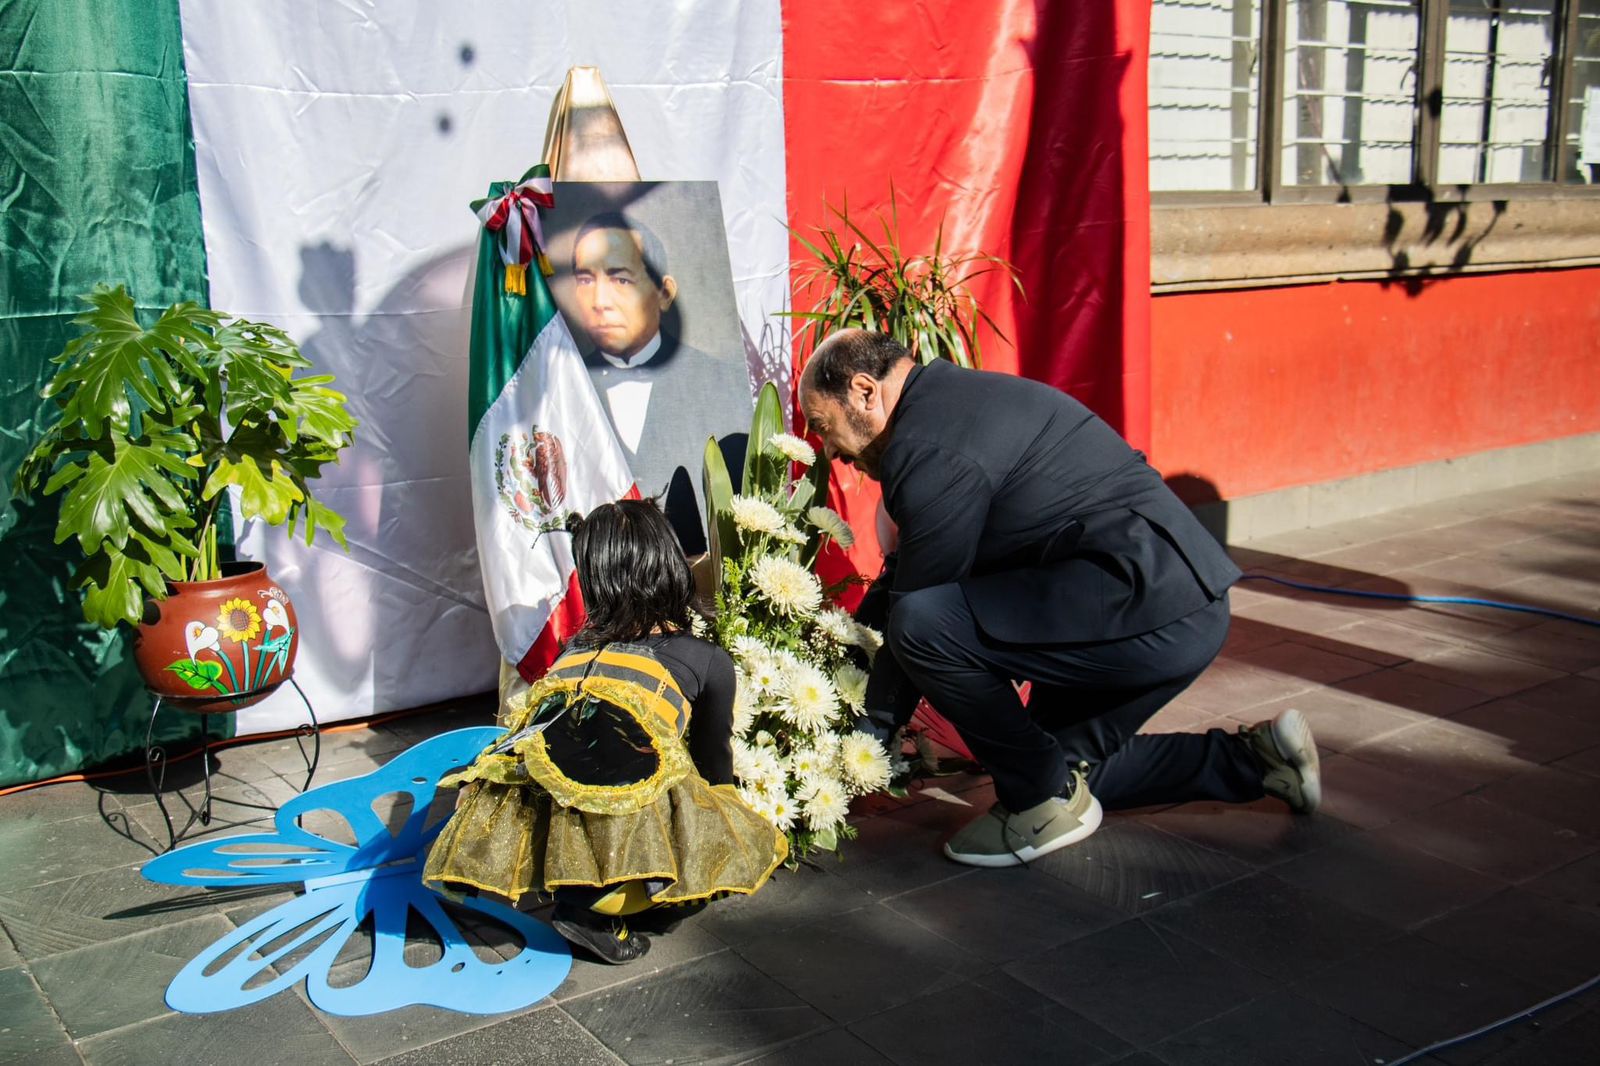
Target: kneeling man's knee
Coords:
[(916, 621)]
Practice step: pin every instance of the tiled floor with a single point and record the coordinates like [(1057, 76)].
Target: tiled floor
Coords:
[(1452, 878)]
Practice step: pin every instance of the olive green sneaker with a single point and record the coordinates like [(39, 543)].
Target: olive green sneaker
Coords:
[(1290, 767), (1003, 838)]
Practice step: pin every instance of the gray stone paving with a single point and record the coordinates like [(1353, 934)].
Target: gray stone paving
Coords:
[(1453, 876)]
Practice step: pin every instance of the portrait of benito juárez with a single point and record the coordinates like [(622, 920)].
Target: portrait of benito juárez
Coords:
[(638, 309)]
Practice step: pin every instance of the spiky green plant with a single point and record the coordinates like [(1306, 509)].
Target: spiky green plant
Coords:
[(864, 282), (156, 422)]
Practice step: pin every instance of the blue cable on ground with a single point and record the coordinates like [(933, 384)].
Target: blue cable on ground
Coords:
[(1470, 602), (1492, 1026), (1412, 598)]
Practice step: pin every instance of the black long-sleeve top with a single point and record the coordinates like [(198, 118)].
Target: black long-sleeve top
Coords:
[(704, 672)]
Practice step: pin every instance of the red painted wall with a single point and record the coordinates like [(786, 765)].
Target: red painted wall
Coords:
[(1265, 389), (1021, 124)]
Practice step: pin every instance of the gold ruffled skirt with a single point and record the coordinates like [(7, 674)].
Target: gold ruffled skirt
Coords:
[(524, 823), (701, 840)]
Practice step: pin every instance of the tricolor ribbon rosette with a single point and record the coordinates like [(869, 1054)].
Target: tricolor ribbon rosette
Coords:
[(514, 220)]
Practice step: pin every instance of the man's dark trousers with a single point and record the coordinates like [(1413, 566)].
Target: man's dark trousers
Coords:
[(1087, 703)]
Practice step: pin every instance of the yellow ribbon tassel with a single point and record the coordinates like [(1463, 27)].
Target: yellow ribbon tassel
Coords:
[(517, 279), (544, 264)]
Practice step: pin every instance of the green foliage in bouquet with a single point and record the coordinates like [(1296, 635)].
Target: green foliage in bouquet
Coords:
[(156, 422), (923, 301), (800, 682)]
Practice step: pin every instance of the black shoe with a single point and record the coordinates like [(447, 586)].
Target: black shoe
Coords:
[(607, 939), (665, 917)]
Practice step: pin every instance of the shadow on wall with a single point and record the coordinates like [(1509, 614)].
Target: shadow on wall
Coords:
[(1447, 226), (1450, 230), (402, 489)]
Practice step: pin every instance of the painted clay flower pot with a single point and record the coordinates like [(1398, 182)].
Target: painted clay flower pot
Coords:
[(217, 646)]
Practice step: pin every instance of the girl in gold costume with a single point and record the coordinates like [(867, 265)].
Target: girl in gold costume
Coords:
[(613, 785)]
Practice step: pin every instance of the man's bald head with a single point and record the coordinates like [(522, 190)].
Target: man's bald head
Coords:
[(847, 353)]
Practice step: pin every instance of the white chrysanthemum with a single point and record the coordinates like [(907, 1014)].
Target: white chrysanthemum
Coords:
[(698, 626), (747, 650), (759, 800), (759, 770), (823, 804), (744, 705), (805, 763), (828, 520), (744, 760), (786, 659), (827, 745), (755, 514), (851, 681), (863, 762), (781, 812), (836, 626), (868, 639), (790, 588), (812, 701), (793, 448), (766, 676)]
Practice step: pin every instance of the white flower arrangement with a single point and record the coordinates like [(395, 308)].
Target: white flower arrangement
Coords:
[(797, 755)]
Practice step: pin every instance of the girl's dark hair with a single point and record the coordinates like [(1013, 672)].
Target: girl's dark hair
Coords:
[(632, 572)]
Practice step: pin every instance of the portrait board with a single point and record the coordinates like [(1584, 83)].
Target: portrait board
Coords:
[(643, 280)]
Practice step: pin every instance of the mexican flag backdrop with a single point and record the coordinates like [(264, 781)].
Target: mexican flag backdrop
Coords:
[(309, 164)]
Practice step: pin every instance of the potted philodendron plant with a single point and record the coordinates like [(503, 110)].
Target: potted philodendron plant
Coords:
[(157, 423)]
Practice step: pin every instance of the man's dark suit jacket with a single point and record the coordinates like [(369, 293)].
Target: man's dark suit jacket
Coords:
[(693, 396), (1055, 528)]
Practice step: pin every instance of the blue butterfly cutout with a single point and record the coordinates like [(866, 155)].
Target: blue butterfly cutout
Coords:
[(379, 876)]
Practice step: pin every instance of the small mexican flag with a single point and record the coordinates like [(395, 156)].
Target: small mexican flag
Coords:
[(541, 446)]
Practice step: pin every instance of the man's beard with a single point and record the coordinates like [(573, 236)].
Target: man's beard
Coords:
[(867, 459)]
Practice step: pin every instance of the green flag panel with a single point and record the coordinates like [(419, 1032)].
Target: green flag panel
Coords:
[(97, 184)]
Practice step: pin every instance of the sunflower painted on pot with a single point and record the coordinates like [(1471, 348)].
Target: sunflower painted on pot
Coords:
[(239, 621)]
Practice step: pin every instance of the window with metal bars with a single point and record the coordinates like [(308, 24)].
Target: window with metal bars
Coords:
[(1308, 100)]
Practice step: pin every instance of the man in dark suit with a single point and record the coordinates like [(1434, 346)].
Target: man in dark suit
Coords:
[(1035, 544), (664, 397)]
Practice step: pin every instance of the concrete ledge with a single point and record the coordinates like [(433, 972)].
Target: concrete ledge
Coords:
[(1219, 247), (1306, 506)]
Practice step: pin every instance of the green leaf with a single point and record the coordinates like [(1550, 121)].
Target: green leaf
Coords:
[(104, 499), (318, 412), (118, 360), (320, 517), (199, 675), (923, 301), (117, 592), (163, 556), (267, 496), (255, 387), (765, 472), (717, 487), (825, 840)]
